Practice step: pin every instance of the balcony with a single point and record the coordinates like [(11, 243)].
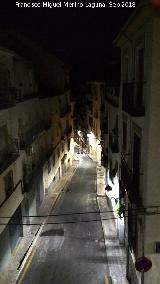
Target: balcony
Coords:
[(128, 182), (113, 143), (132, 99), (112, 95), (8, 155), (27, 137), (126, 175), (7, 97)]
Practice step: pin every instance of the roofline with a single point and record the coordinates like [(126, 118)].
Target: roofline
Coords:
[(132, 16)]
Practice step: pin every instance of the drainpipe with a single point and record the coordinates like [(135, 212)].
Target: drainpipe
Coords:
[(143, 245)]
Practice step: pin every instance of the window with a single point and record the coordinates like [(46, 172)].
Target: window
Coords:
[(8, 182)]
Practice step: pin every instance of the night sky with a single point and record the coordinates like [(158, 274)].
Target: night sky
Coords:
[(81, 37)]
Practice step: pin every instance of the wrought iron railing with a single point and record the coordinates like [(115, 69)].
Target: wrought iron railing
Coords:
[(129, 183)]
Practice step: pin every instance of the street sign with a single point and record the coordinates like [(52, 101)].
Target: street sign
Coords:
[(143, 264)]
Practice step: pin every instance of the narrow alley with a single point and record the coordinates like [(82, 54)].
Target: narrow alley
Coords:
[(74, 250), (76, 246)]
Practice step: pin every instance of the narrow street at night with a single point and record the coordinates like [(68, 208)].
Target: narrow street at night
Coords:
[(74, 250), (79, 142)]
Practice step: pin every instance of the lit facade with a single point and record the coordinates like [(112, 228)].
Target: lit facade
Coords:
[(36, 145), (139, 139), (94, 97)]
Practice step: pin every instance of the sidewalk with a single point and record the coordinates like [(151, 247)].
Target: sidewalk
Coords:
[(25, 246), (115, 253)]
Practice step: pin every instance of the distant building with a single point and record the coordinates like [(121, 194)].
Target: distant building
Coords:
[(110, 160), (95, 93)]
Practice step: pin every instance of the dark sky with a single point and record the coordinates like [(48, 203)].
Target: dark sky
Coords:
[(79, 36)]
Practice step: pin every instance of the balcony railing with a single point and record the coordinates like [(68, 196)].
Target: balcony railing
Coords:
[(7, 97), (128, 182), (132, 98), (126, 175), (112, 95), (132, 229), (27, 137), (8, 155)]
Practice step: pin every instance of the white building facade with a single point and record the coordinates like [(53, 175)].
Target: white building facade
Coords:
[(139, 41), (36, 145)]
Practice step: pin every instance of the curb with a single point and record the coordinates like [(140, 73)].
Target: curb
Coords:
[(32, 248)]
